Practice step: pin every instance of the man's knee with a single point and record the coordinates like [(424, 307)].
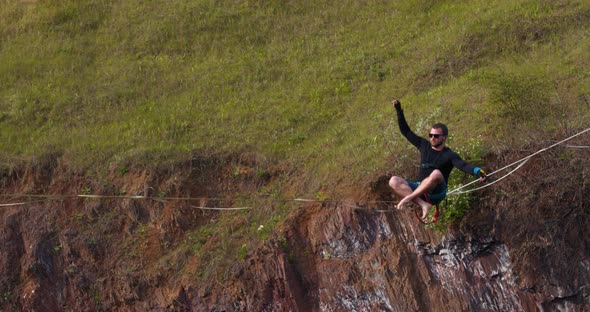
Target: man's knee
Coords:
[(395, 182), (437, 176)]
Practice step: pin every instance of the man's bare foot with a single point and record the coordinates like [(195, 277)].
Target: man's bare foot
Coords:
[(425, 208)]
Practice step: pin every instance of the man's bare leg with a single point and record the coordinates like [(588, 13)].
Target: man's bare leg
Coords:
[(428, 184), (402, 189)]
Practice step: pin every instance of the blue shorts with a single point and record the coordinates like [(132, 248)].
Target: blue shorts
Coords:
[(435, 196)]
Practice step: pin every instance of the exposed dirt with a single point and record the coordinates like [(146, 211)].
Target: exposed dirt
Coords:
[(522, 247)]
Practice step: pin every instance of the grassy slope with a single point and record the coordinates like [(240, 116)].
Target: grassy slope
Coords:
[(311, 82), (103, 80)]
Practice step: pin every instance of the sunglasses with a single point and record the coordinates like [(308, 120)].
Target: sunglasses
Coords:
[(435, 135)]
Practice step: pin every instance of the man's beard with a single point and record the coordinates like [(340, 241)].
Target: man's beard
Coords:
[(438, 144)]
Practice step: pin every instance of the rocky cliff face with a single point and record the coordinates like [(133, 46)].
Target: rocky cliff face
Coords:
[(522, 247), (341, 259)]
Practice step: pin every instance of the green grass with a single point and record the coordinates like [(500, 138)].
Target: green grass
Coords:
[(112, 84), (116, 79)]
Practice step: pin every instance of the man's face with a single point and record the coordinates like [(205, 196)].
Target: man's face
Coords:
[(436, 137)]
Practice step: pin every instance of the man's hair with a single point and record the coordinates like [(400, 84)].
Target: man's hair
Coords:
[(443, 127)]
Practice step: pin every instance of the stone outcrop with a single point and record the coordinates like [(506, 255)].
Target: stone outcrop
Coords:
[(521, 247)]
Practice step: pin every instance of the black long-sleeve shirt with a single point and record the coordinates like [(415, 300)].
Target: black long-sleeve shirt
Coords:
[(430, 158)]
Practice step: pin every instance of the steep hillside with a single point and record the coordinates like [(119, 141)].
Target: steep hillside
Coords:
[(233, 155), (108, 83), (519, 247)]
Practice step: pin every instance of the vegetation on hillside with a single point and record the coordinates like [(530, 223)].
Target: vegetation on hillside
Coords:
[(106, 84), (101, 81)]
